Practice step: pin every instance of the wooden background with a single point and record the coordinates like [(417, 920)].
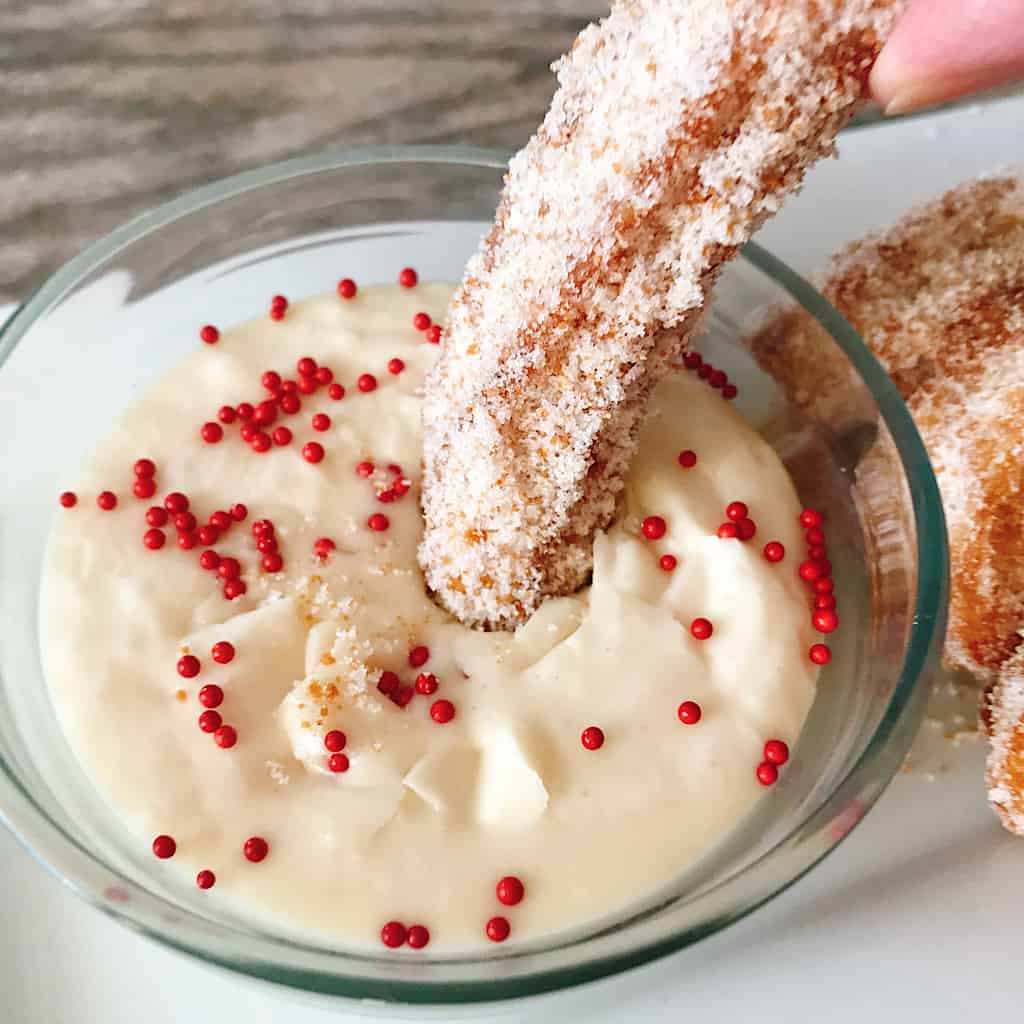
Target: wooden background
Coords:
[(110, 106)]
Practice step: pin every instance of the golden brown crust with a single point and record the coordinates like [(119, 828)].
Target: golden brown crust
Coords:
[(677, 130), (939, 298)]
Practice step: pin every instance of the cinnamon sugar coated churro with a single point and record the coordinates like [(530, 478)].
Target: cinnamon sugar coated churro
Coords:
[(676, 131), (939, 298)]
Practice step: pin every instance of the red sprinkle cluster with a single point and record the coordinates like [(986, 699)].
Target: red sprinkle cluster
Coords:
[(210, 695), (738, 524), (267, 545), (776, 754), (510, 892), (426, 685), (718, 379), (394, 934), (816, 572), (335, 742)]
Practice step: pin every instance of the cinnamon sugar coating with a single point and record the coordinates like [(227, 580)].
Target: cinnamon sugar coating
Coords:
[(677, 129), (939, 298)]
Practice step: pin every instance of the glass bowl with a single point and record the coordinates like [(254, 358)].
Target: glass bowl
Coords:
[(102, 329)]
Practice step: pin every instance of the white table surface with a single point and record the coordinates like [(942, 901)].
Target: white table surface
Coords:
[(918, 916)]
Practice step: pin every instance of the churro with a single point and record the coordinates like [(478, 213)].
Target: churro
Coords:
[(677, 129)]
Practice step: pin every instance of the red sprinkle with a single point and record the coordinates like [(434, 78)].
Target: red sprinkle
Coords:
[(404, 695), (209, 559), (767, 773), (225, 737), (210, 721), (144, 467), (824, 601), (823, 586), (364, 469), (810, 518), (208, 535), (245, 410), (260, 443), (388, 682), (774, 551), (164, 847), (421, 321), (701, 628), (154, 539), (290, 404), (209, 334), (265, 414), (817, 552), (321, 421), (176, 503), (338, 763), (408, 277), (418, 936), (433, 334), (324, 375), (820, 654), (266, 543), (746, 529), (156, 516), (730, 391), (221, 519), (229, 569), (307, 385), (323, 546), (736, 510), (809, 571), (825, 620), (211, 433), (653, 527), (106, 500), (184, 522), (279, 302), (206, 879), (144, 487), (211, 695), (347, 288), (281, 436), (186, 541), (689, 712), (393, 934), (255, 849), (336, 392), (729, 531), (592, 738), (426, 683), (272, 562), (378, 522), (271, 381), (668, 562), (718, 379), (395, 366), (313, 451), (262, 527), (226, 414), (510, 891), (692, 360), (234, 588), (776, 752), (188, 666), (442, 711), (69, 499), (419, 656), (335, 741), (498, 929), (366, 382), (687, 459), (306, 366), (815, 537)]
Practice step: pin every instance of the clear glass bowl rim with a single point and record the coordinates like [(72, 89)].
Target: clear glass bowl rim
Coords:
[(861, 783)]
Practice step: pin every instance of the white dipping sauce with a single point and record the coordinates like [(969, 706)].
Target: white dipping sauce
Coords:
[(429, 816)]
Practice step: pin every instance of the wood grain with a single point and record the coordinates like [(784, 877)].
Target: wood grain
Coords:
[(108, 107)]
